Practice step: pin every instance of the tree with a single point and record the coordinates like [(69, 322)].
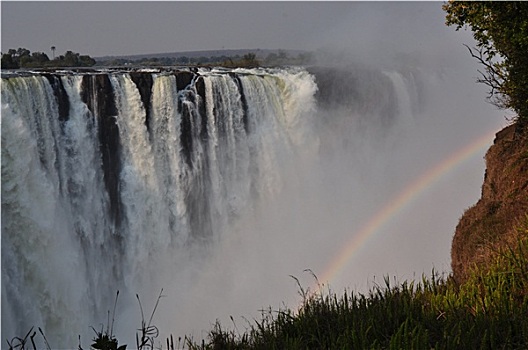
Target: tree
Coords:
[(501, 32), (39, 57), (22, 52), (86, 61), (9, 62), (250, 59), (71, 59)]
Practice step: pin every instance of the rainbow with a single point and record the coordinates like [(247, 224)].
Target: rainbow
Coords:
[(400, 201)]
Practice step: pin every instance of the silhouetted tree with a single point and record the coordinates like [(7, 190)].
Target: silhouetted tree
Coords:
[(9, 62), (501, 32)]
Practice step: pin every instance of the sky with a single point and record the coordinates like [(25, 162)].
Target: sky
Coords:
[(141, 27)]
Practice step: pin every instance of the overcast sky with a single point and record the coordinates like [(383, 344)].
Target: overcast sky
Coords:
[(140, 27)]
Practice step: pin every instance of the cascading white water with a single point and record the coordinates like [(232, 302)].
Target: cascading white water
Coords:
[(42, 257), (64, 254)]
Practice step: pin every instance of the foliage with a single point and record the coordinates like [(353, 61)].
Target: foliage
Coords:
[(106, 340), (23, 58), (491, 223), (490, 311), (501, 32), (249, 60)]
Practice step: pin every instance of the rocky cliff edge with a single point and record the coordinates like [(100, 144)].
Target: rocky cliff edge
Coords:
[(494, 222)]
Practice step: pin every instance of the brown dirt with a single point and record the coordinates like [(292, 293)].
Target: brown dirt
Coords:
[(491, 224)]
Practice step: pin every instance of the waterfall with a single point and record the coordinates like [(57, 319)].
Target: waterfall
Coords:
[(212, 184), (110, 177)]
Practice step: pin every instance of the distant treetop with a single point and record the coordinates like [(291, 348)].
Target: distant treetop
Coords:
[(23, 58)]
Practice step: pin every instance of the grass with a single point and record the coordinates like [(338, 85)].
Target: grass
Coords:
[(488, 311)]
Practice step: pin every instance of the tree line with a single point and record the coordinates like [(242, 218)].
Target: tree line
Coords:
[(248, 60), (23, 58)]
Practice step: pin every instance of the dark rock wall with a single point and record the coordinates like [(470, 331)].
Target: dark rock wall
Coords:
[(98, 95)]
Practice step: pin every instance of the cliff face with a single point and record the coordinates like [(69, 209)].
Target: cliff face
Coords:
[(491, 224)]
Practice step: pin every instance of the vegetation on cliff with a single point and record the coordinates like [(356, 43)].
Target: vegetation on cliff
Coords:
[(492, 223)]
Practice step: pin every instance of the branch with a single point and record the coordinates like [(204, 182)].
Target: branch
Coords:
[(494, 77)]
